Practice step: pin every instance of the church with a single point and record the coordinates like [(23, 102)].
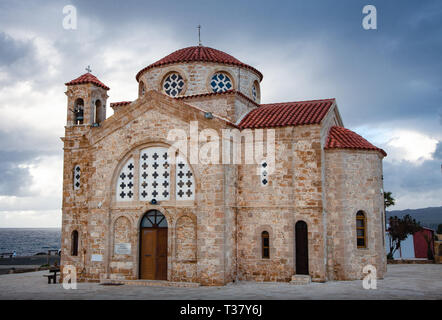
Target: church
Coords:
[(129, 213)]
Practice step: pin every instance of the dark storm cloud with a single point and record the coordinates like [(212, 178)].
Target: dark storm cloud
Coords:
[(12, 50), (14, 179)]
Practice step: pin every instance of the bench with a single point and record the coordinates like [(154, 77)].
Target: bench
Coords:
[(51, 277), (3, 254)]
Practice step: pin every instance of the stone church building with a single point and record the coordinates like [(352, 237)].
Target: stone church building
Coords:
[(129, 213)]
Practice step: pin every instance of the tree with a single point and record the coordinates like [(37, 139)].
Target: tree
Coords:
[(439, 229), (429, 241), (399, 230), (388, 199)]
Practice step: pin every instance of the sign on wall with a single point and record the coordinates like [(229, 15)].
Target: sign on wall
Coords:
[(122, 248), (97, 257)]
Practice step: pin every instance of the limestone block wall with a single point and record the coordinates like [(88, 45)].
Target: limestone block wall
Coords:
[(294, 193), (354, 182), (197, 76), (197, 247)]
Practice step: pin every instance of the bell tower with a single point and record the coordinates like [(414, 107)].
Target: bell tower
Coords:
[(87, 98)]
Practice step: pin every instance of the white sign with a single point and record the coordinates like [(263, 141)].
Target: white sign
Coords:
[(122, 248), (97, 257)]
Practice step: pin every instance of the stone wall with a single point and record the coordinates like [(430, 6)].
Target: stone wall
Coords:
[(354, 182), (197, 76), (293, 193)]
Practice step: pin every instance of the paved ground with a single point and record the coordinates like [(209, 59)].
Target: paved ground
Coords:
[(402, 282)]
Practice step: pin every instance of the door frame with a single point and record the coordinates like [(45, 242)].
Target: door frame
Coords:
[(306, 246), (140, 235)]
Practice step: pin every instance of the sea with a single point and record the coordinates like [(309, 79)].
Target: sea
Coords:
[(29, 241)]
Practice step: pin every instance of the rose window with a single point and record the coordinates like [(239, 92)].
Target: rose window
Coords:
[(221, 82), (173, 84)]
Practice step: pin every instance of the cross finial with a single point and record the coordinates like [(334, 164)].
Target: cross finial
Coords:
[(199, 35), (88, 69)]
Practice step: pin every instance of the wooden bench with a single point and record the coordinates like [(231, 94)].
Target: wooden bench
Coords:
[(51, 277)]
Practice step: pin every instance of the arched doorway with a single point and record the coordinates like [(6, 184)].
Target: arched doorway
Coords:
[(301, 239), (153, 246)]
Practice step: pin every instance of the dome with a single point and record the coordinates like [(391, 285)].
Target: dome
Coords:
[(199, 54)]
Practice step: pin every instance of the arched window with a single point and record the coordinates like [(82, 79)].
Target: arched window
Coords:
[(74, 243), (77, 176), (265, 241), (78, 111), (99, 112), (255, 91), (361, 229), (141, 89)]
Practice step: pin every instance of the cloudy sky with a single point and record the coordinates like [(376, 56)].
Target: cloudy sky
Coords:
[(387, 82)]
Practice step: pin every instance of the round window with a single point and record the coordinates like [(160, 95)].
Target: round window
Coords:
[(221, 82), (173, 84)]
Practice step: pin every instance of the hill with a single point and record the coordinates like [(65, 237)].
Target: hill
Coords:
[(428, 217)]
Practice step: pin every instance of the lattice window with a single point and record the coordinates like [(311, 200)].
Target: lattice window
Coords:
[(173, 84), (264, 174), (154, 174), (184, 179), (125, 183), (77, 176), (221, 82)]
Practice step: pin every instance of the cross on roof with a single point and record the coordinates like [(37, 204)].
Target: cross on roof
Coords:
[(199, 35), (88, 69)]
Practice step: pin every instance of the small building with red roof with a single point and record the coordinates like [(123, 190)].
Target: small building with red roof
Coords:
[(196, 182)]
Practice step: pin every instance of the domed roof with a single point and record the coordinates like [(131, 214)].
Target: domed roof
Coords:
[(198, 54), (87, 78)]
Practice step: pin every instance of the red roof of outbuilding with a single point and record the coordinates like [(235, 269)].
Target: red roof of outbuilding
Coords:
[(287, 114), (342, 138), (87, 78), (198, 54)]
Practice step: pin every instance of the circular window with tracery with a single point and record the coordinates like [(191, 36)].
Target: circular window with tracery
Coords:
[(173, 84), (221, 82)]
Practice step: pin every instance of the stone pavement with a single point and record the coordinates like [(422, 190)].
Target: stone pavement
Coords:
[(401, 282)]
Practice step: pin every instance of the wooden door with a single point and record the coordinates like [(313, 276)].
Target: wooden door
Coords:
[(148, 253), (301, 238), (161, 263), (153, 254)]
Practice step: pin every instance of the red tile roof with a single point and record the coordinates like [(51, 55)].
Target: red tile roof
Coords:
[(342, 138), (121, 103), (200, 54), (87, 78), (287, 114)]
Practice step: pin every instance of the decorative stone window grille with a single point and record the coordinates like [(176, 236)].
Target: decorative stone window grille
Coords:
[(221, 82), (77, 176), (185, 182), (264, 173), (173, 84), (361, 232), (125, 183), (154, 174)]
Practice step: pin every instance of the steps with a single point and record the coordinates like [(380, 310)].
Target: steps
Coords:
[(301, 279), (150, 283)]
